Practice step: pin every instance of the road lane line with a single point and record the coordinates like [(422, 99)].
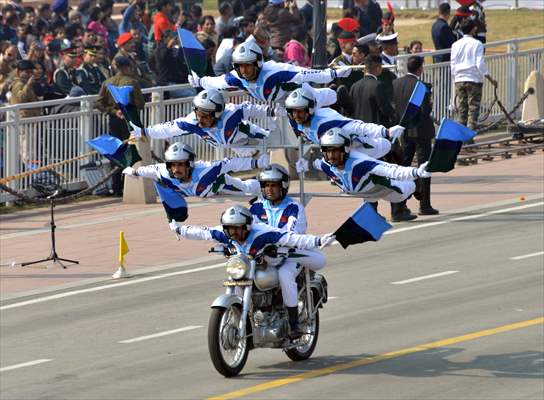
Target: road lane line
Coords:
[(374, 359), (26, 364), (160, 334), (523, 257), (155, 277), (422, 278), (99, 288)]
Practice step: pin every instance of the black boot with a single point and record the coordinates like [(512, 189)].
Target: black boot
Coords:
[(399, 212), (295, 332), (425, 207)]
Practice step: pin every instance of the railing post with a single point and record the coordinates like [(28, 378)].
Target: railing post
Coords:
[(401, 66), (156, 116), (85, 126), (12, 146), (512, 76)]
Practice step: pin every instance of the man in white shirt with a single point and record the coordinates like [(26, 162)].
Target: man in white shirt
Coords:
[(469, 69)]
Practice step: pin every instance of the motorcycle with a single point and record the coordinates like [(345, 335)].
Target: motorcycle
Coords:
[(251, 313)]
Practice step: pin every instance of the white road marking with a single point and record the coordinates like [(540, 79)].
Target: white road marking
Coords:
[(539, 253), (421, 278), (114, 285), (160, 334), (26, 364), (332, 298), (167, 275)]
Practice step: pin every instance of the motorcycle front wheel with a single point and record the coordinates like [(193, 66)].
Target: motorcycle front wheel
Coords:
[(228, 352), (307, 343)]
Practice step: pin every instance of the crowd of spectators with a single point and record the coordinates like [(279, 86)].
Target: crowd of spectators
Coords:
[(72, 51)]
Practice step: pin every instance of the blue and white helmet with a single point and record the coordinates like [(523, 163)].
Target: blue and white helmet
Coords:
[(334, 138), (301, 99), (180, 152), (210, 100), (248, 52), (237, 216), (275, 173)]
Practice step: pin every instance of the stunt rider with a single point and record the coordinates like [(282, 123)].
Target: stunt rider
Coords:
[(199, 178), (215, 122), (268, 81), (311, 122), (357, 173), (240, 233)]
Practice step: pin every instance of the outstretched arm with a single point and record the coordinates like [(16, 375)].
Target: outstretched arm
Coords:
[(394, 171), (177, 127)]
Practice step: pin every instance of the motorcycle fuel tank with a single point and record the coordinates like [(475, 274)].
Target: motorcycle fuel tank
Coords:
[(266, 279)]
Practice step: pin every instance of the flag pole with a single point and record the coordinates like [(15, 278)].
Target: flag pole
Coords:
[(123, 249)]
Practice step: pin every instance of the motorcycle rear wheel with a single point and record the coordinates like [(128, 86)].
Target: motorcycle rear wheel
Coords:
[(227, 352), (308, 342)]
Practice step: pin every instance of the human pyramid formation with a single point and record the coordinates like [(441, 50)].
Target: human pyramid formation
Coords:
[(351, 151)]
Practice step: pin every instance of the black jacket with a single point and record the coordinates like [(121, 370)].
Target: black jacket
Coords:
[(443, 38), (370, 102), (403, 88)]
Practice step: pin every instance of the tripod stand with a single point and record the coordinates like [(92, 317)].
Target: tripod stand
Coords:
[(53, 257)]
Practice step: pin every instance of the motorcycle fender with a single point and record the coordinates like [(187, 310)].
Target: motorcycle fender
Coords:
[(226, 300)]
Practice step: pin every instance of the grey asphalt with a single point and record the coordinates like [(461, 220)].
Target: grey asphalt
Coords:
[(369, 316)]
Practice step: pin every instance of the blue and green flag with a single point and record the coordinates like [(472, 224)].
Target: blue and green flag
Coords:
[(173, 202), (363, 226), (119, 153), (410, 118), (193, 52), (449, 140), (121, 96)]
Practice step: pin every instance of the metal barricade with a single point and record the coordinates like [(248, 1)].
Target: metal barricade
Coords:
[(52, 138)]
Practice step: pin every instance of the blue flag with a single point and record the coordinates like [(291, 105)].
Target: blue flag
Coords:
[(410, 116), (173, 202), (121, 96), (447, 145), (363, 226), (193, 52), (119, 153)]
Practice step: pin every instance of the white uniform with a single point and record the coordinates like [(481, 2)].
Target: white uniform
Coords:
[(207, 179), (290, 216), (260, 236), (368, 138), (231, 128), (275, 81), (373, 178)]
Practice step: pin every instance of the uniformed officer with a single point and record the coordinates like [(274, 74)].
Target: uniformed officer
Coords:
[(88, 75), (64, 76)]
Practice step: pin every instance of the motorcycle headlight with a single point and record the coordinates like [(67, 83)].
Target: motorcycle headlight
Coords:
[(237, 267)]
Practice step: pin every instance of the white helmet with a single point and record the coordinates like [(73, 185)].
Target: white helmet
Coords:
[(210, 101), (237, 216), (333, 137), (299, 99), (248, 52), (179, 152), (275, 173)]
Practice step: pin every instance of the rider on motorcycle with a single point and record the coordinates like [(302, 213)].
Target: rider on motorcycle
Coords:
[(242, 235)]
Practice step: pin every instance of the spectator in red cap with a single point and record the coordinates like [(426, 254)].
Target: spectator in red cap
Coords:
[(349, 25), (139, 69)]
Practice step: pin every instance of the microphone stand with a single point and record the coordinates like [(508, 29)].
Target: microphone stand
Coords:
[(53, 256)]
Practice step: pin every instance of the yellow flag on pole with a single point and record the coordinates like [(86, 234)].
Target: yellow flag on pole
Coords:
[(123, 248)]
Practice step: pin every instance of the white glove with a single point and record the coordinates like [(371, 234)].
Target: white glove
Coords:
[(130, 171), (175, 227), (343, 72), (136, 131), (327, 239), (395, 132), (194, 79), (302, 165), (280, 111), (422, 172), (263, 161)]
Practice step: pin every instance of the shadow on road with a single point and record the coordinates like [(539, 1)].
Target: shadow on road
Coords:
[(426, 364)]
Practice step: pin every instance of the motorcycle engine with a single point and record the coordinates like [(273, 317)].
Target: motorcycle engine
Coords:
[(270, 328)]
